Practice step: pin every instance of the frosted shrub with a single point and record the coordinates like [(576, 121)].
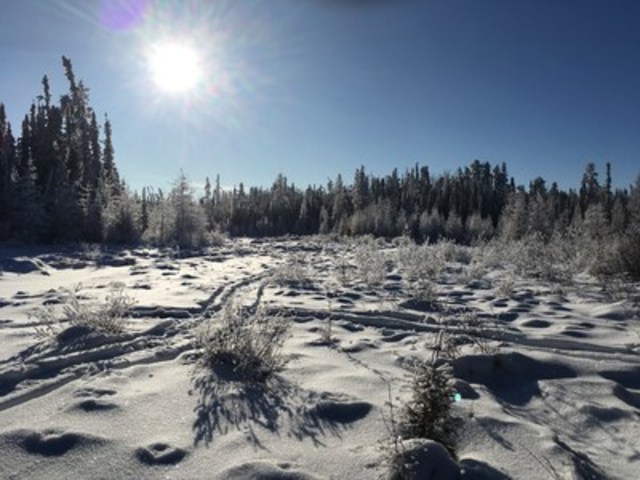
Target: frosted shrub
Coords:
[(370, 261), (554, 260), (420, 262), (420, 267), (294, 272), (250, 343), (449, 251), (423, 290), (108, 317), (487, 257)]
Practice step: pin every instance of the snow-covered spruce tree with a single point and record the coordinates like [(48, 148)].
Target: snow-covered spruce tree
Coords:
[(429, 413), (120, 208)]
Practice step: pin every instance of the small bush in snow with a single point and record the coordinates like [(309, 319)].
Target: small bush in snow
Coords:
[(107, 317), (293, 273), (423, 291), (371, 262), (250, 343), (507, 286), (450, 251), (425, 262)]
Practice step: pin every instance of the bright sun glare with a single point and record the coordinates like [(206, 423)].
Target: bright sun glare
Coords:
[(175, 67)]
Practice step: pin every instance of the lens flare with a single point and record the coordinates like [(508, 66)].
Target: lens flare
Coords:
[(175, 67), (119, 15)]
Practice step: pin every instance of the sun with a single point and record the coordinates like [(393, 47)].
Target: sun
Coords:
[(175, 67)]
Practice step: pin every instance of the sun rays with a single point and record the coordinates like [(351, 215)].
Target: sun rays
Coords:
[(175, 67)]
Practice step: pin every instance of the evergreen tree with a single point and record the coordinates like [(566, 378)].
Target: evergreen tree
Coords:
[(110, 172), (207, 203), (589, 188), (26, 205), (144, 212), (7, 160), (360, 191)]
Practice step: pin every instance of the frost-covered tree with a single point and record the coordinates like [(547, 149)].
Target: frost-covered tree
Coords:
[(189, 221), (539, 218), (122, 218), (177, 219), (595, 224), (454, 228), (619, 215), (515, 217), (431, 226), (479, 228)]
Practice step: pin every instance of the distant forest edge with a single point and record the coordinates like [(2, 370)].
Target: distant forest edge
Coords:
[(59, 183)]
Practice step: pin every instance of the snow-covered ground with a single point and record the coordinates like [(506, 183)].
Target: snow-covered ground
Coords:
[(548, 373)]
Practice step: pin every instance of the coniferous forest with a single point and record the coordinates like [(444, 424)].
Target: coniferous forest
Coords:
[(59, 183)]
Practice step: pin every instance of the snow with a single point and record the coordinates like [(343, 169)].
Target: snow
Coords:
[(553, 391)]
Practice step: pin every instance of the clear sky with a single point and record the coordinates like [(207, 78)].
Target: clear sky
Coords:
[(312, 88)]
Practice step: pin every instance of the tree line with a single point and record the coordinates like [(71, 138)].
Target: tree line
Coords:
[(59, 183)]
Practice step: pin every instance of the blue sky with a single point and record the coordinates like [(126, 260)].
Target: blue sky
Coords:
[(313, 88)]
